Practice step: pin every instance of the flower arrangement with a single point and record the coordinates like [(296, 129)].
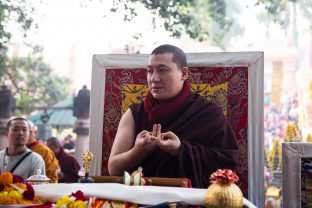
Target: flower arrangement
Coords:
[(79, 200), (75, 200), (224, 176), (14, 190)]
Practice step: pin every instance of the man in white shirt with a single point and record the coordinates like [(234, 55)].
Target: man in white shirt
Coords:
[(17, 158)]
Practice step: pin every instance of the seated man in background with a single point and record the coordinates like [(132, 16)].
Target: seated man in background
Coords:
[(51, 163), (17, 158), (174, 132), (68, 142), (69, 165)]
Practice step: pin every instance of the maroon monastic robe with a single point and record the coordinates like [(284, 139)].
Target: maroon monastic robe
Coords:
[(69, 167), (207, 141)]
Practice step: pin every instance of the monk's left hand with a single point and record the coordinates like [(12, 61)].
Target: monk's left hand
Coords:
[(169, 142)]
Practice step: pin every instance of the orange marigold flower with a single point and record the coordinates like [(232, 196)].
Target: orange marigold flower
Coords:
[(7, 200), (8, 188), (6, 178)]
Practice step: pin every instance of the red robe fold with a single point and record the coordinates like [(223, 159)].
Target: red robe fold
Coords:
[(207, 142), (69, 167)]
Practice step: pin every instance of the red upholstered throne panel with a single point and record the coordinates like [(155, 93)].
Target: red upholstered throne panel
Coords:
[(237, 106)]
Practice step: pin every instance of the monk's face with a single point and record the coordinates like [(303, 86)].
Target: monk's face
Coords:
[(164, 78)]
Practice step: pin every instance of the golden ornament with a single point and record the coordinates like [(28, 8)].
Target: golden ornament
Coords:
[(223, 192), (87, 157), (223, 195)]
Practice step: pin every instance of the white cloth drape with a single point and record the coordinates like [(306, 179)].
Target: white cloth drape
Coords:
[(147, 195)]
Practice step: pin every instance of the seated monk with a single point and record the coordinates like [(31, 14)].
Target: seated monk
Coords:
[(174, 133), (51, 163)]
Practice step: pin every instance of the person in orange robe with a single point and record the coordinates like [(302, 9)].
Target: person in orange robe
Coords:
[(51, 163)]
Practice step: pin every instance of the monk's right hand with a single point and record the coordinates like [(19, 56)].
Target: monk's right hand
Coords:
[(144, 142)]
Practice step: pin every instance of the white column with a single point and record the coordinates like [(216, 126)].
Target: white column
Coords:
[(82, 127)]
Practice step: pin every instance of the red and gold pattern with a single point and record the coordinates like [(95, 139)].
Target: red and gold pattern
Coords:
[(229, 90), (135, 93)]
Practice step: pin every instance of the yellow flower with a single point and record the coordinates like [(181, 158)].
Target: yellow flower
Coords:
[(3, 193), (77, 204), (65, 200), (15, 195)]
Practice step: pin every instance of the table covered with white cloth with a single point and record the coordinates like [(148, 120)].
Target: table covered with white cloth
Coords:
[(147, 195)]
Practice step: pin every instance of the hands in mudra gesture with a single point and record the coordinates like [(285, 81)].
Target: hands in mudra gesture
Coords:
[(147, 141)]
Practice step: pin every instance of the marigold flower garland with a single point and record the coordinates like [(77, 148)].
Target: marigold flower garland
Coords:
[(14, 190), (79, 200)]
